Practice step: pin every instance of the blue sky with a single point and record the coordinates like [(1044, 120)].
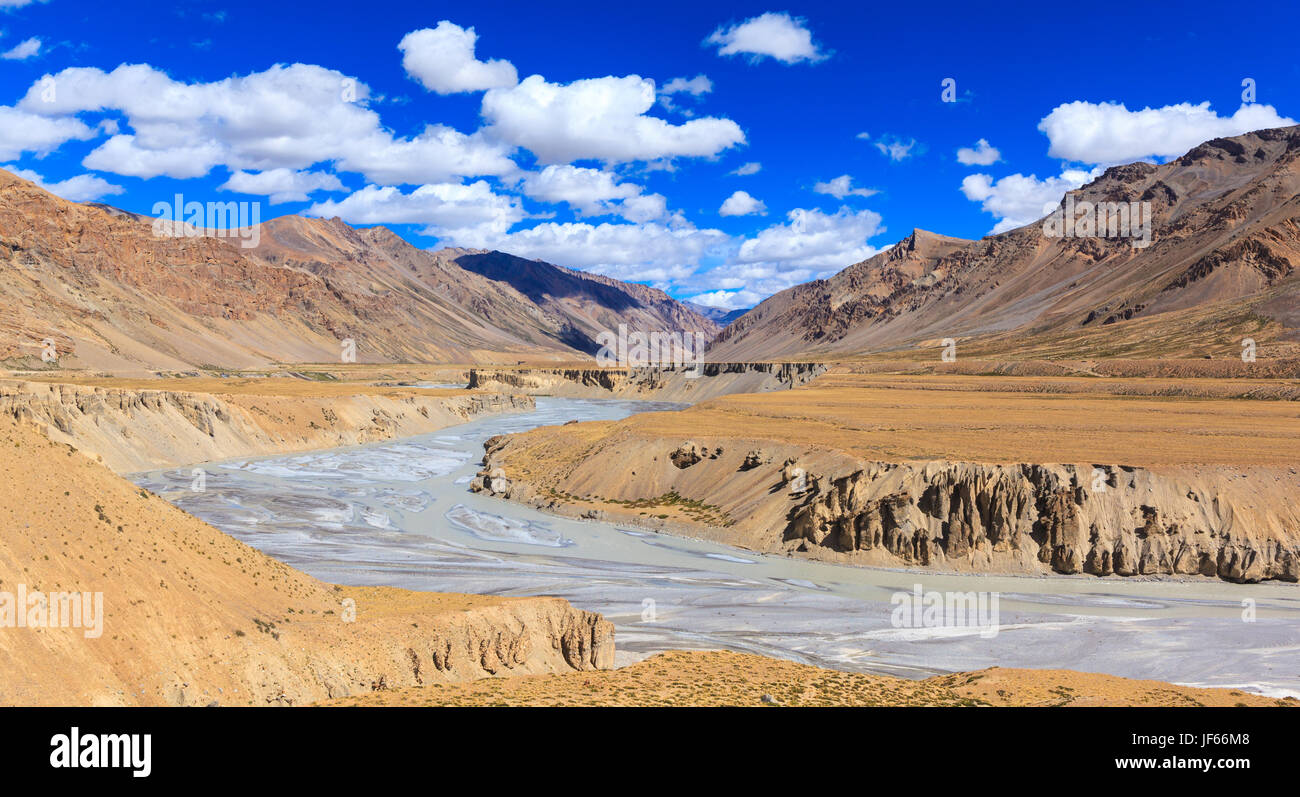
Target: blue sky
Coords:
[(617, 138)]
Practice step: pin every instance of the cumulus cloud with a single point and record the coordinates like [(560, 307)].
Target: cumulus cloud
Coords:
[(770, 35), (81, 188), (27, 132), (442, 60), (841, 187), (469, 214), (1018, 200), (659, 253), (982, 154), (747, 169), (813, 239), (593, 192), (1108, 132), (600, 118), (23, 50), (288, 117), (282, 185), (742, 204), (735, 285)]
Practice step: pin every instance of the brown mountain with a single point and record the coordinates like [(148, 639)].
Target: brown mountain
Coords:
[(1221, 266), (589, 303), (113, 295)]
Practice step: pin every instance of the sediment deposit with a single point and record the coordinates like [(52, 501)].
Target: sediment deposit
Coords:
[(936, 474), (186, 421), (685, 383), (190, 616)]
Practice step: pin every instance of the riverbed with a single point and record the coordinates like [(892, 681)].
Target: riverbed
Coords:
[(399, 513)]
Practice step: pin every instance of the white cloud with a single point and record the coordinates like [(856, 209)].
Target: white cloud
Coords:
[(983, 154), (725, 300), (288, 117), (742, 204), (775, 35), (734, 285), (644, 208), (442, 59), (468, 214), (700, 84), (644, 252), (23, 50), (1018, 200), (593, 192), (813, 239), (282, 185), (587, 190), (25, 132), (1109, 132), (893, 147), (121, 154), (19, 3), (81, 188), (841, 187), (602, 119), (747, 169), (695, 87)]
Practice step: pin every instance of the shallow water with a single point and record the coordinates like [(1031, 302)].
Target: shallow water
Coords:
[(399, 513)]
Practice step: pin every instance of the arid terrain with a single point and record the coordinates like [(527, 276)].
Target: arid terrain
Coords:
[(1015, 405), (113, 295), (135, 424), (1220, 267), (736, 679), (1010, 474), (192, 617)]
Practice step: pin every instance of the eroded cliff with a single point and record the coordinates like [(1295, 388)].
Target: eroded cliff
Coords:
[(131, 429)]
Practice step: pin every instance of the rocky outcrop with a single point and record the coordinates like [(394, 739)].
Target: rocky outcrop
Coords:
[(1101, 520), (1234, 522), (669, 383), (131, 430)]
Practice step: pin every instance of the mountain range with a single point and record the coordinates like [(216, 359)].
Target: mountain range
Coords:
[(112, 294), (1220, 267), (1215, 266)]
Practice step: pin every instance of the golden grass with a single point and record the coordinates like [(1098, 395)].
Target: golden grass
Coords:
[(970, 418)]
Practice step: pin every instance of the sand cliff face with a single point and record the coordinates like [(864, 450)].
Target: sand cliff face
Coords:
[(1063, 518), (190, 616), (667, 384), (1233, 523), (139, 429), (961, 473)]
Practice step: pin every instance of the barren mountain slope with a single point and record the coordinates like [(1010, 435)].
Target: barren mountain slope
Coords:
[(1222, 263), (589, 303), (112, 295)]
